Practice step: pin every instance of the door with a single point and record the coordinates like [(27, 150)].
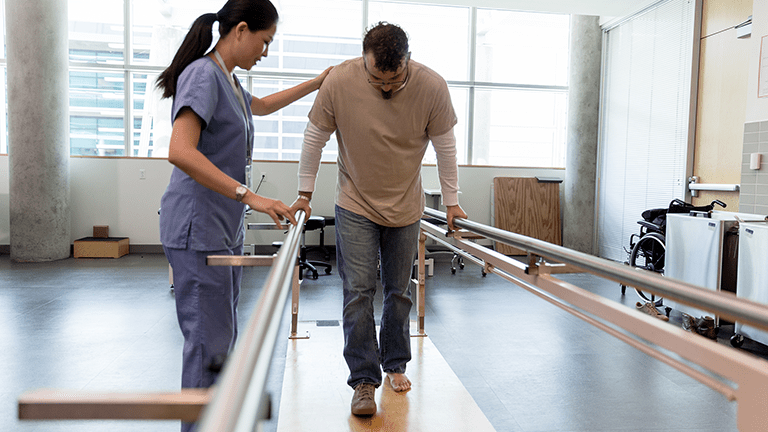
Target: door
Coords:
[(721, 110)]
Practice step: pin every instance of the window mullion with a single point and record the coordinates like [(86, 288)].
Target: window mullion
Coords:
[(128, 79), (471, 98)]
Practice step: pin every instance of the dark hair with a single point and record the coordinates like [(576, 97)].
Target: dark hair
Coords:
[(258, 14), (389, 45)]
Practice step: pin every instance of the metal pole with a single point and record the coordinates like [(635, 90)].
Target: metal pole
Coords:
[(723, 304), (421, 284)]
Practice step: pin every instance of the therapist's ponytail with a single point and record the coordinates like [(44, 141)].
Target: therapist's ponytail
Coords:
[(258, 14)]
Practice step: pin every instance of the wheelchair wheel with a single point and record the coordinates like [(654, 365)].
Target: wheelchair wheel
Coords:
[(648, 254)]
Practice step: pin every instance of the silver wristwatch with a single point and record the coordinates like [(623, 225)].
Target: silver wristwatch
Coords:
[(240, 193)]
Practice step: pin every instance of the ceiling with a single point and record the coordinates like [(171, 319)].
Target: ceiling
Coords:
[(602, 8)]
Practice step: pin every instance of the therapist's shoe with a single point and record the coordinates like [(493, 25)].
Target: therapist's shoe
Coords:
[(651, 310), (363, 403)]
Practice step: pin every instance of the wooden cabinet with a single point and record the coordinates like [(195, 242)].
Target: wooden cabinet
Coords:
[(527, 206)]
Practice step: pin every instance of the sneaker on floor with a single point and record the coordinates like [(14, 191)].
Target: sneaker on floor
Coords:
[(363, 403), (705, 326), (651, 310), (689, 322)]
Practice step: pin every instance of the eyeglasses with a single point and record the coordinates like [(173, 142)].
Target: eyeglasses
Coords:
[(395, 84)]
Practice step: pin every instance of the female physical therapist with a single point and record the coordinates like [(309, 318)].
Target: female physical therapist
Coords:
[(202, 210)]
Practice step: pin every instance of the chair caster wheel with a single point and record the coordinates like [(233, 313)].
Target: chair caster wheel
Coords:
[(737, 340)]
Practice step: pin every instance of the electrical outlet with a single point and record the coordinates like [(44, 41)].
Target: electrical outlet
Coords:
[(142, 174)]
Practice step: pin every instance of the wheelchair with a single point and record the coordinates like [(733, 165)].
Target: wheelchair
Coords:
[(647, 249)]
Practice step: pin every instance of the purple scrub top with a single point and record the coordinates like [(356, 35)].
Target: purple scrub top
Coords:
[(193, 216)]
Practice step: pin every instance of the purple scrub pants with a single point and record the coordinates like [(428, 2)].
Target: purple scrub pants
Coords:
[(206, 307)]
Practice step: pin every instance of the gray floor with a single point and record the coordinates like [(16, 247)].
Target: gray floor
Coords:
[(110, 325)]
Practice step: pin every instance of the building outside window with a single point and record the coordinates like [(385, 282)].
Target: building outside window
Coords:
[(509, 89)]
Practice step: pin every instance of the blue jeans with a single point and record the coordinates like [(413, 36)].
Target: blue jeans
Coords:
[(358, 245), (206, 307)]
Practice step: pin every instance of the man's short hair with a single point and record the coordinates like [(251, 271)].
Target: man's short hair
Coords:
[(389, 45)]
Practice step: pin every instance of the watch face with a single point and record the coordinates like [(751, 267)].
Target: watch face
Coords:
[(240, 192)]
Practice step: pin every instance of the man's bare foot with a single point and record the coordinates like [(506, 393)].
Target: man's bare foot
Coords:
[(399, 381)]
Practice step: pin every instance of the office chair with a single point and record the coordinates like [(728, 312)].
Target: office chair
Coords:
[(313, 223), (430, 255), (329, 221)]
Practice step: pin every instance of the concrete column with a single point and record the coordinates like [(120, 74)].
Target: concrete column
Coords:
[(583, 122), (38, 129)]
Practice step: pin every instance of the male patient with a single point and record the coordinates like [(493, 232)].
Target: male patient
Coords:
[(385, 109)]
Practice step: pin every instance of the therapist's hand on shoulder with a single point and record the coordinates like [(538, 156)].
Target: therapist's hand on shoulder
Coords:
[(276, 209), (452, 212), (320, 78)]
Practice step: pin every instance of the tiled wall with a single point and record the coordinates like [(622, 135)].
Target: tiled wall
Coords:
[(754, 183)]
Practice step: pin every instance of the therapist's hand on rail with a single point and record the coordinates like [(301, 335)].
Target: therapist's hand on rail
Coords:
[(276, 209), (454, 211)]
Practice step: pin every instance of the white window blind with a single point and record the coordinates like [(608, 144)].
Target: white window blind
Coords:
[(645, 119)]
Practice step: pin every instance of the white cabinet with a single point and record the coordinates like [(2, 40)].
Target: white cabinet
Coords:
[(702, 251), (752, 280)]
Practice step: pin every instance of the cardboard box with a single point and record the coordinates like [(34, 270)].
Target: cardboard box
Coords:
[(101, 231), (93, 247)]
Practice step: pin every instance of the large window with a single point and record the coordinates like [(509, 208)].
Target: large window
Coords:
[(520, 98), (507, 73)]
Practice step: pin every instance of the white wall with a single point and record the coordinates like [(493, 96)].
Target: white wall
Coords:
[(108, 191), (5, 216), (608, 8)]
